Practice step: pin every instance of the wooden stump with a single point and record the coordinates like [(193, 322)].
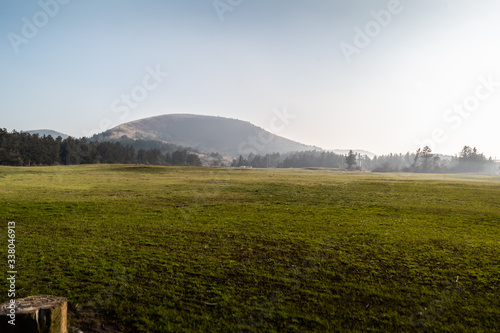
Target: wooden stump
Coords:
[(35, 314)]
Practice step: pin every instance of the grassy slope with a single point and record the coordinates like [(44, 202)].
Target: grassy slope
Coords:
[(188, 249)]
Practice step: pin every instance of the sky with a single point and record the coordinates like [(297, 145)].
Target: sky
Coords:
[(384, 76)]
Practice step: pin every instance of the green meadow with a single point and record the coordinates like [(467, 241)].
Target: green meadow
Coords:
[(173, 249)]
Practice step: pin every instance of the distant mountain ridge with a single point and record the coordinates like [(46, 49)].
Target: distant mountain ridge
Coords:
[(357, 151), (47, 132), (229, 137)]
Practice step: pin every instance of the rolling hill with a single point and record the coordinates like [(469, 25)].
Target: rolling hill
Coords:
[(47, 132), (229, 137)]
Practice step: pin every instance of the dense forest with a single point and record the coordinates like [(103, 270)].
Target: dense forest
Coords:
[(24, 149)]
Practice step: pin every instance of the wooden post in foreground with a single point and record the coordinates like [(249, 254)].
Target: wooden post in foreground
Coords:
[(35, 314)]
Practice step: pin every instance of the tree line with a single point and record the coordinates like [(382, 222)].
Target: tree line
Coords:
[(421, 161), (469, 159), (292, 160), (24, 149)]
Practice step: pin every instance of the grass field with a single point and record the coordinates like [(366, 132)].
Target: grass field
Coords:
[(166, 249)]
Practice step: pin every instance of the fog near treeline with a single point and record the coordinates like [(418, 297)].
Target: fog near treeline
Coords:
[(468, 160)]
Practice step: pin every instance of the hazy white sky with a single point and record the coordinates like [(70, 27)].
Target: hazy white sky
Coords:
[(385, 76)]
